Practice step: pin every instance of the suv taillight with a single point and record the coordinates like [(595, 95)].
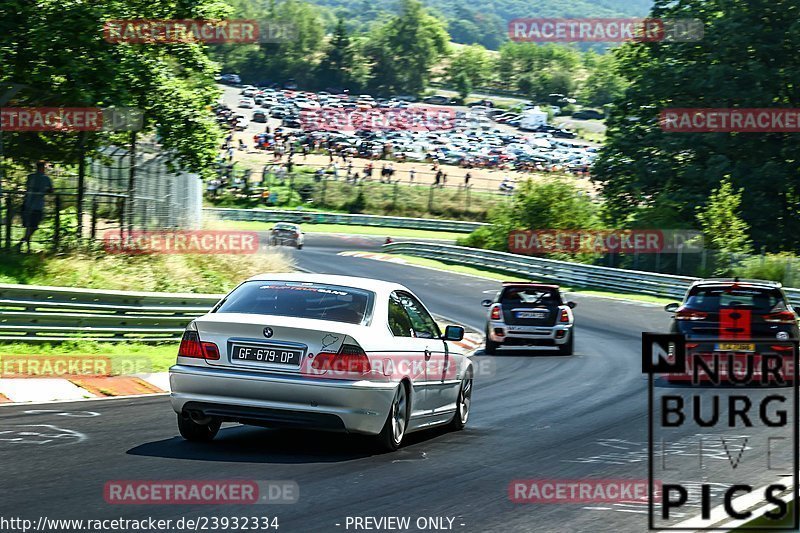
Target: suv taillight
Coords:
[(782, 317), (689, 314), (351, 358), (495, 313), (191, 346)]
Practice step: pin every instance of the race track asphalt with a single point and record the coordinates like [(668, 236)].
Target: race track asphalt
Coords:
[(535, 415)]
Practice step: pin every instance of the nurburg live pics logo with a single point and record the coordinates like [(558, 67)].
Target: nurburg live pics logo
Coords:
[(749, 411)]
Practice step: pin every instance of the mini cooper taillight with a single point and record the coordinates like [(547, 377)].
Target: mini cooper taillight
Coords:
[(496, 312), (564, 316), (191, 346), (350, 358)]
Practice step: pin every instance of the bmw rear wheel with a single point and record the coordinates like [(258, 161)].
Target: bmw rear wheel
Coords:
[(391, 437)]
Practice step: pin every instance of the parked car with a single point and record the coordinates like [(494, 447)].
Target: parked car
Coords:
[(333, 353), (437, 99), (530, 314), (230, 79), (485, 103), (588, 114)]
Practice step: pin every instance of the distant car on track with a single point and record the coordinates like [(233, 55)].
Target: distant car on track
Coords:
[(333, 353), (530, 314), (286, 233)]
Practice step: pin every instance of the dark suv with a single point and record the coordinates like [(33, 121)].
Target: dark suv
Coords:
[(530, 314), (741, 316)]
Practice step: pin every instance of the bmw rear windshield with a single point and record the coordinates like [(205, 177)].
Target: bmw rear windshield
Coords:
[(301, 300)]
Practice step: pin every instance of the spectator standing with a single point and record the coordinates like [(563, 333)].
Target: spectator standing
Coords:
[(37, 185)]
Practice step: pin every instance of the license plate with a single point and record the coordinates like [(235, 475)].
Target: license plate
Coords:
[(530, 314), (735, 347), (279, 355)]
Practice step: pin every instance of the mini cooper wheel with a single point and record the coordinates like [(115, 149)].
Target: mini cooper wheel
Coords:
[(391, 437), (491, 346), (568, 348)]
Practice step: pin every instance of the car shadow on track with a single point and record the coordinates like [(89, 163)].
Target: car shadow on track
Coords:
[(247, 444)]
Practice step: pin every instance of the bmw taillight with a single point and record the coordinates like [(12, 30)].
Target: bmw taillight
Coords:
[(690, 314), (782, 317), (191, 346), (495, 313), (564, 316), (350, 358)]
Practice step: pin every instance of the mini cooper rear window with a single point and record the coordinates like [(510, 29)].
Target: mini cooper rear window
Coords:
[(528, 296), (301, 300)]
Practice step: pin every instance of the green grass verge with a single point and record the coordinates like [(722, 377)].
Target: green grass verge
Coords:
[(195, 273), (499, 276), (126, 357), (340, 228)]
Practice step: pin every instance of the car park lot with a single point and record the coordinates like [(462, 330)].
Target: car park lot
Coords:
[(472, 137)]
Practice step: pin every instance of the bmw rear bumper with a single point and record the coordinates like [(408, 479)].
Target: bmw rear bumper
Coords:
[(282, 401)]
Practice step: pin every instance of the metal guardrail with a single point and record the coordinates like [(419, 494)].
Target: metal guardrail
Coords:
[(35, 313), (311, 217), (570, 274)]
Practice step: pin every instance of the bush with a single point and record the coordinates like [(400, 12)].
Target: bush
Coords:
[(556, 204), (357, 204), (773, 267)]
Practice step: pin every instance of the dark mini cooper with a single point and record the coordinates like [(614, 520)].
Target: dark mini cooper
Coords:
[(530, 314)]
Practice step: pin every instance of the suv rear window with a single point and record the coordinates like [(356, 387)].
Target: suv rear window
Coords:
[(756, 299), (530, 296), (301, 300)]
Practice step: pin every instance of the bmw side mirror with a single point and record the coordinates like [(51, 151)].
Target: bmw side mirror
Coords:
[(572, 305), (453, 333), (486, 303), (671, 308)]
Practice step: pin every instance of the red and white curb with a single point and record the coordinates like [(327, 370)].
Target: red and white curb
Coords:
[(378, 256), (24, 390)]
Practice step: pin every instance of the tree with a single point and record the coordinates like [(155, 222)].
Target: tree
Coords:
[(642, 166), (604, 84), (463, 85), (471, 62), (405, 49), (58, 51), (721, 220), (340, 66)]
